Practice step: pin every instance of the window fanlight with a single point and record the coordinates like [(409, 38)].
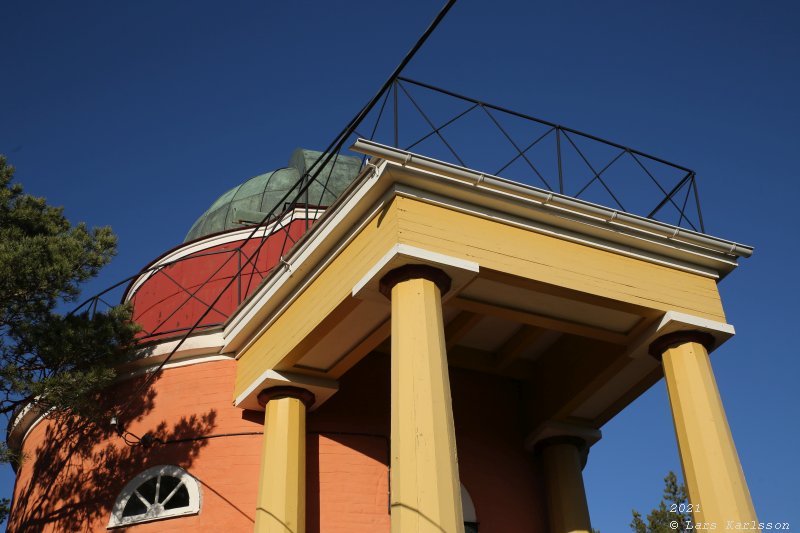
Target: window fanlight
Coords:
[(159, 492)]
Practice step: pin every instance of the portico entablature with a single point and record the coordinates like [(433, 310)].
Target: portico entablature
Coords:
[(538, 284)]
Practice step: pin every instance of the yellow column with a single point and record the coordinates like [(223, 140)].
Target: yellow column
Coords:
[(562, 460), (714, 478), (425, 488), (281, 504)]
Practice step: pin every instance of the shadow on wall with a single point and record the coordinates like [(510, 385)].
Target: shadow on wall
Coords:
[(358, 501), (72, 478)]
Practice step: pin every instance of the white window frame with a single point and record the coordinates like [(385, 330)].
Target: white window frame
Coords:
[(191, 484)]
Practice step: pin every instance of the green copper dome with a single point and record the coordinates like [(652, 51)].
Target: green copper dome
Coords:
[(250, 202)]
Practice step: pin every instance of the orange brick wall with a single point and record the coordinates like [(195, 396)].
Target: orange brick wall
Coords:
[(348, 486), (93, 467)]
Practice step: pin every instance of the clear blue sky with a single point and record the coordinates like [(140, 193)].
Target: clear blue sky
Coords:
[(139, 114)]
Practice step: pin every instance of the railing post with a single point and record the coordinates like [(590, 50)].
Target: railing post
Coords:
[(238, 276), (558, 154), (697, 203), (396, 116)]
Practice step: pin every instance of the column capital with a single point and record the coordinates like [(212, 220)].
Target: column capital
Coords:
[(275, 393), (572, 440), (661, 344), (556, 432), (414, 271)]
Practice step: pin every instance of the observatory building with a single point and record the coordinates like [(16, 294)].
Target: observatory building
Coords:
[(406, 345)]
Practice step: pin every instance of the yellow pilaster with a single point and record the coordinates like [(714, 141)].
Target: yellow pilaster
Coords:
[(425, 488), (281, 505), (566, 496), (714, 478)]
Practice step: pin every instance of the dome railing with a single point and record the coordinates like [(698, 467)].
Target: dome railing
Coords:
[(167, 296)]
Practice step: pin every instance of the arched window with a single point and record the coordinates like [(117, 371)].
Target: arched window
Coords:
[(159, 492), (468, 508)]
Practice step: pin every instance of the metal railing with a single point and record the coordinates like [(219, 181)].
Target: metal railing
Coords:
[(451, 127)]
